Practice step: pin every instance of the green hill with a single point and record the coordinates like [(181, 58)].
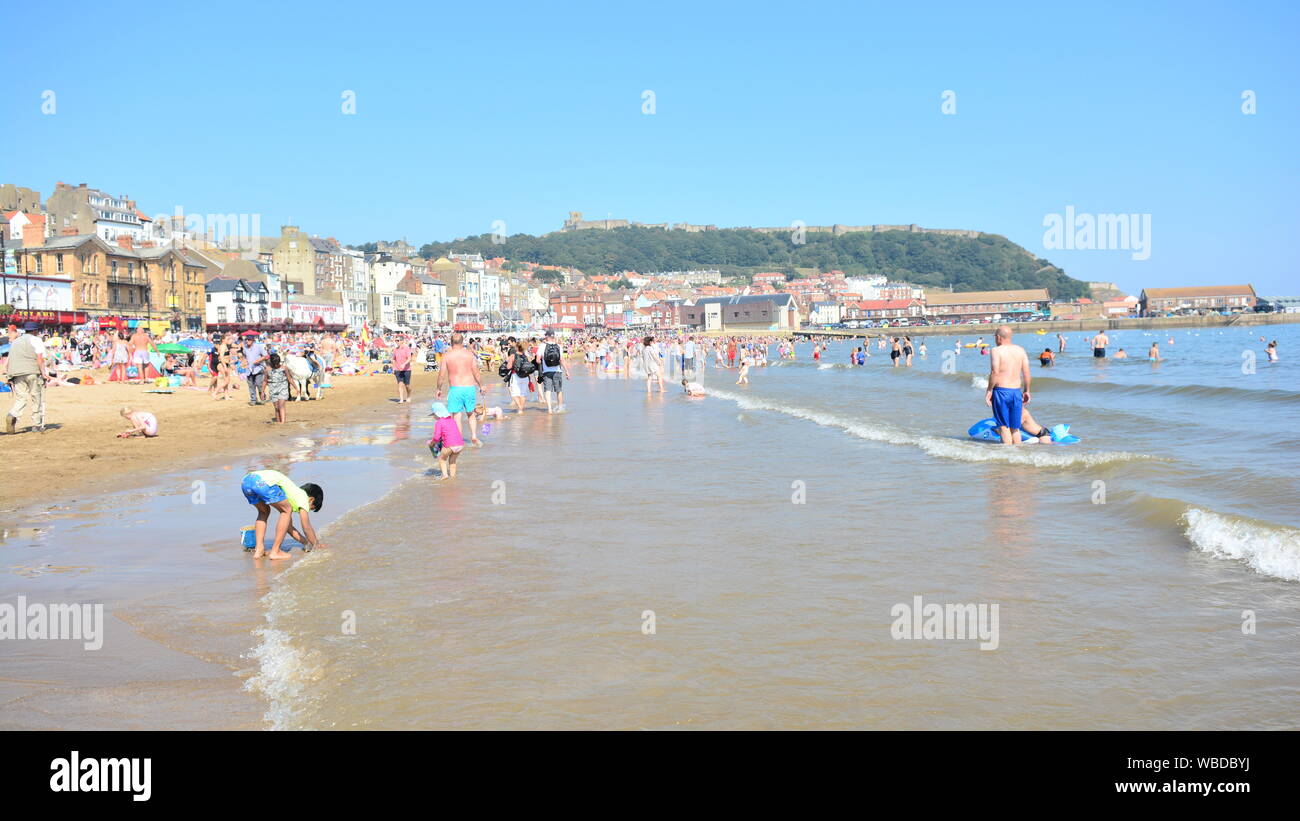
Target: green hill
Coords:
[(986, 262)]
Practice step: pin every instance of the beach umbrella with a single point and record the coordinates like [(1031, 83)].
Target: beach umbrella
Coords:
[(249, 333), (197, 344), (172, 347)]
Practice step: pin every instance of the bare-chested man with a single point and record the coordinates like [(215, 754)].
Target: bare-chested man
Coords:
[(1008, 391), (141, 344), (1099, 343), (460, 370), (327, 348)]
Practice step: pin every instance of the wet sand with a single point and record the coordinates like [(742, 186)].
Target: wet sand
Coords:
[(181, 600)]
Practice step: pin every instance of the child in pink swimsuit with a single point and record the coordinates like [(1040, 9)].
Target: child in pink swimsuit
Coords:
[(447, 441)]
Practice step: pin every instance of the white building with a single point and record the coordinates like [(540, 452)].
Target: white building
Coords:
[(235, 302), (490, 286)]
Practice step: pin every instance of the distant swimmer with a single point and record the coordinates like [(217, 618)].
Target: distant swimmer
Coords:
[(1099, 343), (1060, 343), (1121, 354), (1271, 351), (922, 349), (1154, 353), (1008, 390)]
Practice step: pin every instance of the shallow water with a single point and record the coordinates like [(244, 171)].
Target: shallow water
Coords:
[(773, 530)]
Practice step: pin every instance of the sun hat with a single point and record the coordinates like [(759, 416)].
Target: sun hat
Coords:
[(439, 409)]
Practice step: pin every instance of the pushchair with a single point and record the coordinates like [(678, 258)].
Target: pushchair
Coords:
[(430, 360)]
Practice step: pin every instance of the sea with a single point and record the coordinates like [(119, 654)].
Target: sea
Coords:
[(823, 548)]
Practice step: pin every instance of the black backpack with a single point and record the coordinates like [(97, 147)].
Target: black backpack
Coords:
[(552, 355), (523, 365)]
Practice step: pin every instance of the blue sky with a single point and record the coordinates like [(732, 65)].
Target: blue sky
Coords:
[(764, 114)]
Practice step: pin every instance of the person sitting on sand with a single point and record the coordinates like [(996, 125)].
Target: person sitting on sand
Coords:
[(142, 424), (267, 489), (447, 441)]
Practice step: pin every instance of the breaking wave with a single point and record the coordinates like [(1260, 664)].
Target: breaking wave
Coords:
[(1270, 549), (1045, 456)]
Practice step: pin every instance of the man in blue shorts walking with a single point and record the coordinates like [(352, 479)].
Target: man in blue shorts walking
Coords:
[(1008, 390), (459, 375)]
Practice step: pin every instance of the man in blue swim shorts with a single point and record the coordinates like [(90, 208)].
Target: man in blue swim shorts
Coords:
[(1008, 390), (459, 376)]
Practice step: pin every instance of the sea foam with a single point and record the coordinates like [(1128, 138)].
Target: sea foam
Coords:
[(1045, 456), (1270, 549)]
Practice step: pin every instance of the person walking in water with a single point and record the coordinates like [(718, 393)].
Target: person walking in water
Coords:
[(459, 376), (1099, 343), (651, 364), (1008, 390)]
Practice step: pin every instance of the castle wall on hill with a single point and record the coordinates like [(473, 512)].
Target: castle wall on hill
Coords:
[(839, 230), (575, 222)]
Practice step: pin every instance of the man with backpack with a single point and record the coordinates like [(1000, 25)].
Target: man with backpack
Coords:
[(550, 361)]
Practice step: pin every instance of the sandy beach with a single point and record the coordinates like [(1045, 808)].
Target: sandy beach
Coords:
[(80, 451)]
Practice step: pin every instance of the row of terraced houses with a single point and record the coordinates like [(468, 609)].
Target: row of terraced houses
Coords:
[(83, 254)]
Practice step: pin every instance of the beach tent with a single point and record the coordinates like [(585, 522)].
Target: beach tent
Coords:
[(197, 344)]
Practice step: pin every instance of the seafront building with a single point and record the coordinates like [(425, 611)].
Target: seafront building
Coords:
[(84, 254), (1229, 298)]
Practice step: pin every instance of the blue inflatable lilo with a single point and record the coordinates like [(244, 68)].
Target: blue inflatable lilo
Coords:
[(986, 430)]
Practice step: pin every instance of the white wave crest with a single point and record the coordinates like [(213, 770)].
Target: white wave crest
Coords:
[(1046, 456), (1269, 549)]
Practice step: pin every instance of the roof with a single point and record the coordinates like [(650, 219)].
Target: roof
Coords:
[(1200, 290), (981, 297), (884, 304), (781, 300), (150, 252), (221, 284)]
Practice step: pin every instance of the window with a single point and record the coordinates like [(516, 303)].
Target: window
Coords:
[(208, 297), (38, 263), (221, 313), (58, 263)]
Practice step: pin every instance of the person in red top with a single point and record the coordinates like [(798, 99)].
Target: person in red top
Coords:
[(731, 353), (402, 355)]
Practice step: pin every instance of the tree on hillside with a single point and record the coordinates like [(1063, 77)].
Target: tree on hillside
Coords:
[(985, 262)]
